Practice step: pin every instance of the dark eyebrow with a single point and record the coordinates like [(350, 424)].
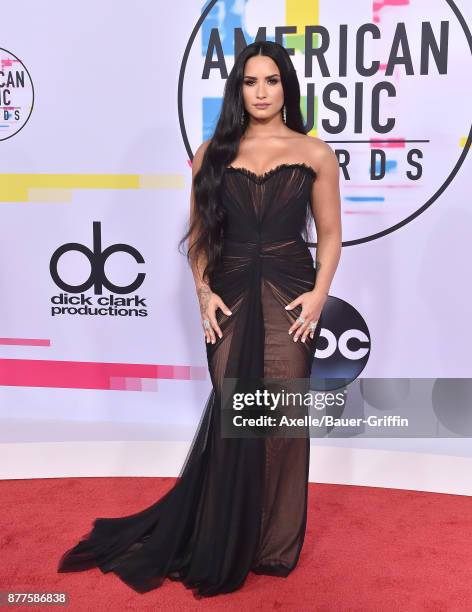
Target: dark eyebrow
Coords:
[(267, 77)]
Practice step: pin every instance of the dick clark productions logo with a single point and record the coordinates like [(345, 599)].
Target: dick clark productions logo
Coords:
[(80, 304)]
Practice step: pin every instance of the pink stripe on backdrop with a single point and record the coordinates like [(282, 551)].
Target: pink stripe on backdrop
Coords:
[(379, 144), (92, 375), (26, 341), (118, 383)]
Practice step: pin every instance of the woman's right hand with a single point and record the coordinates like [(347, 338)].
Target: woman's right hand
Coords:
[(209, 303)]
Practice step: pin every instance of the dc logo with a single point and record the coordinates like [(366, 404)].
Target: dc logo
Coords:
[(97, 259), (343, 346)]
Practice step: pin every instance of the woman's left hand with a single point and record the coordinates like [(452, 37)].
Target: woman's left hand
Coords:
[(312, 304)]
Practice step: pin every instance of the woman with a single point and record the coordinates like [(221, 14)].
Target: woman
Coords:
[(239, 503)]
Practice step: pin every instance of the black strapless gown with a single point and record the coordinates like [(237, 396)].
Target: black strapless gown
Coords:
[(239, 504)]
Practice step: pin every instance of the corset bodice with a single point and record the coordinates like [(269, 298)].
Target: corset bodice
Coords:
[(266, 208)]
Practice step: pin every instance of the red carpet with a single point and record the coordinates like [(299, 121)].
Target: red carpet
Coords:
[(365, 549)]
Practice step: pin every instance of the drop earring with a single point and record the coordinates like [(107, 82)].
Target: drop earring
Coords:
[(284, 114), (243, 117)]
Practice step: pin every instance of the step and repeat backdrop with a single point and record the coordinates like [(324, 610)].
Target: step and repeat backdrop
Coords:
[(102, 358)]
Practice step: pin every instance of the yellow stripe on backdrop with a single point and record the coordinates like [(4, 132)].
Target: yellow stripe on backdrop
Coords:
[(300, 14), (58, 187)]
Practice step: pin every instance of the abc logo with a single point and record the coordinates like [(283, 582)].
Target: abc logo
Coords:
[(343, 346), (97, 259)]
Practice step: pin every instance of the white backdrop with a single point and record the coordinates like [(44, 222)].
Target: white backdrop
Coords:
[(121, 392)]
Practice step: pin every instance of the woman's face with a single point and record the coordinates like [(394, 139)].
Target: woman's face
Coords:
[(262, 86)]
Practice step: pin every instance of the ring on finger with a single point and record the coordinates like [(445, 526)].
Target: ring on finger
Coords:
[(206, 324), (301, 319)]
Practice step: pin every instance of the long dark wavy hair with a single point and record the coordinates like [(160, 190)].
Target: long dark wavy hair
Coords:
[(209, 217)]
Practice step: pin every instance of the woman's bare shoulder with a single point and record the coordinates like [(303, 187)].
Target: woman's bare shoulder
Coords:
[(198, 156), (319, 153), (203, 147)]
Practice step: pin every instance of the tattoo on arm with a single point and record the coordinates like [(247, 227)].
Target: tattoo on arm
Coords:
[(317, 269), (204, 293)]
